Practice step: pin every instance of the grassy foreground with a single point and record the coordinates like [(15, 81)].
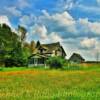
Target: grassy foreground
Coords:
[(34, 84)]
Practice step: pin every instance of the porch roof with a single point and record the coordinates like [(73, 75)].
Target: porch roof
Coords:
[(38, 56)]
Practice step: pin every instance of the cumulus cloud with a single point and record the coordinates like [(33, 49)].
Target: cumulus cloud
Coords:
[(65, 25), (4, 19), (93, 27), (52, 37), (13, 10), (58, 22), (62, 18), (40, 30), (89, 9), (27, 20), (88, 43), (98, 1), (66, 4), (55, 37)]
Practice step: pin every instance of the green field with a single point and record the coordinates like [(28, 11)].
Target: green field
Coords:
[(40, 84)]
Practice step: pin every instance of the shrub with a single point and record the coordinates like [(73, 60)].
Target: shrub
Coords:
[(15, 62), (55, 62)]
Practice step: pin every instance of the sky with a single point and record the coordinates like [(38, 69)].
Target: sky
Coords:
[(74, 23)]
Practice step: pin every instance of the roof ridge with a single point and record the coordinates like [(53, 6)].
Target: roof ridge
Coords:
[(51, 43)]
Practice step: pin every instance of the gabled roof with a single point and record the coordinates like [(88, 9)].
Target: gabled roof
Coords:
[(57, 44), (51, 47), (76, 55)]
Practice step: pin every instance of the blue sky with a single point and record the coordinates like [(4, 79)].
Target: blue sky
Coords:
[(75, 23)]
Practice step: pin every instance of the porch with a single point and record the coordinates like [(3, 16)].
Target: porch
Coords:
[(37, 60)]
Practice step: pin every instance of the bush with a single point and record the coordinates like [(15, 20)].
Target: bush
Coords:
[(15, 62), (55, 62)]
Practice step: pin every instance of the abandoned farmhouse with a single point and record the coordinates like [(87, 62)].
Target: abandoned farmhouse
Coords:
[(41, 52)]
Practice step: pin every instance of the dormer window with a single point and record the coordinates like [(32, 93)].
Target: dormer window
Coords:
[(41, 50)]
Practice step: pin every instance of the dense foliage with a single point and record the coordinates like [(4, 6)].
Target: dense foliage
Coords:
[(11, 51), (55, 62)]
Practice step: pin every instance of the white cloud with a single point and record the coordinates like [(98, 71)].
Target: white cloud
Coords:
[(42, 33), (40, 30), (98, 1), (64, 23), (88, 43), (46, 13), (87, 47), (58, 21), (90, 9), (23, 3), (55, 37), (52, 37), (27, 20), (93, 27), (13, 10), (65, 4), (62, 18), (4, 20)]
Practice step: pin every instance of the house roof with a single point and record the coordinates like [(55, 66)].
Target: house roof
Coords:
[(76, 55), (49, 48)]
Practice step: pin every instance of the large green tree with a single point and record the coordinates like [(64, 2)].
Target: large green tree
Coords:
[(11, 48), (8, 39)]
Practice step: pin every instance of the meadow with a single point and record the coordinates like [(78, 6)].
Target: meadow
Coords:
[(45, 84)]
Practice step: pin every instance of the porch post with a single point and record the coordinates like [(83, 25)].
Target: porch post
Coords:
[(45, 63), (36, 61)]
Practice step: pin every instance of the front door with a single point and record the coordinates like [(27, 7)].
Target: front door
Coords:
[(35, 61)]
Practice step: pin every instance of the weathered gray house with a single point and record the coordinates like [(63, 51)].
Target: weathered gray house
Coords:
[(43, 51), (76, 58)]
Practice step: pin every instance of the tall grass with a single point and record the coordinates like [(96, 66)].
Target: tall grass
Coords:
[(37, 84)]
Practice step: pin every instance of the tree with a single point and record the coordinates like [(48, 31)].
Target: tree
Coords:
[(37, 44), (13, 51), (8, 42), (32, 46), (23, 32), (55, 62)]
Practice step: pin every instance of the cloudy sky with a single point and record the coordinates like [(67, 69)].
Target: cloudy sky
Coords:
[(74, 23)]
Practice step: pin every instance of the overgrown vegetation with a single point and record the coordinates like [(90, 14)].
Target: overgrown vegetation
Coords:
[(55, 62), (72, 66), (31, 84)]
